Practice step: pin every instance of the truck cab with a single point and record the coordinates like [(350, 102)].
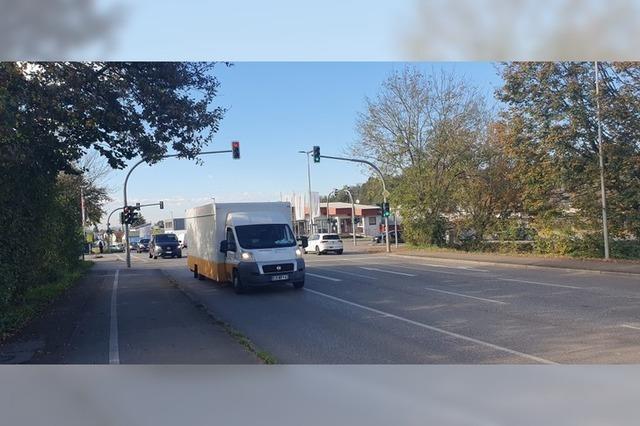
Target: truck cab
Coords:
[(260, 249)]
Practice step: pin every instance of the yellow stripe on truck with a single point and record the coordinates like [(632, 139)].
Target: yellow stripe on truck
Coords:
[(212, 270)]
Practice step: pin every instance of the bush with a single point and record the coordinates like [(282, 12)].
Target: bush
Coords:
[(426, 231)]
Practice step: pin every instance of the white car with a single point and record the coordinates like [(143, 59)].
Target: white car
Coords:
[(324, 243)]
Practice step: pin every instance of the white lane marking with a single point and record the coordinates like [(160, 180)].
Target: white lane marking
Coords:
[(429, 270), (142, 259), (466, 295), (630, 326), (539, 283), (353, 274), (435, 329), (464, 268), (336, 259), (323, 277), (387, 271), (114, 351)]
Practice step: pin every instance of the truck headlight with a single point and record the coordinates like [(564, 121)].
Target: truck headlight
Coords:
[(246, 255), (298, 252)]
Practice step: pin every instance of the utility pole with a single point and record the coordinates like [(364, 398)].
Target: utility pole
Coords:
[(605, 231), (309, 182), (395, 224)]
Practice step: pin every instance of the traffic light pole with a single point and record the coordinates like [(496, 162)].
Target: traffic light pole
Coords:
[(384, 189), (126, 180), (122, 208)]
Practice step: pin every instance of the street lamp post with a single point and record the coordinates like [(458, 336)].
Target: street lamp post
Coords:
[(126, 180), (308, 153), (328, 224), (353, 214)]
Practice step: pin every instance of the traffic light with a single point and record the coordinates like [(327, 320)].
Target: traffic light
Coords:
[(235, 150), (161, 204), (385, 210), (122, 218), (316, 154), (126, 213)]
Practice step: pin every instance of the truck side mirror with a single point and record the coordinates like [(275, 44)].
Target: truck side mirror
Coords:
[(223, 246)]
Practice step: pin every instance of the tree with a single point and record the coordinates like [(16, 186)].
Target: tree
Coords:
[(491, 191), (554, 105), (139, 221), (422, 131), (51, 115)]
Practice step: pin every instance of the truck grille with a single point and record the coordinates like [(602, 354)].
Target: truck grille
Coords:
[(281, 267)]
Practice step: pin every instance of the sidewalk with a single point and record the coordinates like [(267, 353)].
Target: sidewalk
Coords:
[(612, 266)]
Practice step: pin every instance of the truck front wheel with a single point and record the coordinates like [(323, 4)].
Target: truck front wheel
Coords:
[(298, 285), (237, 283)]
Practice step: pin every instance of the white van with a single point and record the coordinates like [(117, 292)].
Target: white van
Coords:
[(247, 244)]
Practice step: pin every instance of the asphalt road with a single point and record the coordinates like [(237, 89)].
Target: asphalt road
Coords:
[(378, 309), (363, 309)]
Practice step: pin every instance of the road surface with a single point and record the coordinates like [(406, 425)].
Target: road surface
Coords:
[(355, 309)]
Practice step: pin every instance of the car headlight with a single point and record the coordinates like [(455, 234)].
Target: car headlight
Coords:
[(246, 255), (298, 252)]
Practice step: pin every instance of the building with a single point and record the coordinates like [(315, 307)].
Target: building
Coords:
[(368, 219), (175, 224)]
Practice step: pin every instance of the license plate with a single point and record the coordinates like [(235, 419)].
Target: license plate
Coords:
[(279, 277)]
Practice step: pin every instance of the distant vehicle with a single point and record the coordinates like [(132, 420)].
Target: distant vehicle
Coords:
[(143, 245), (381, 238), (247, 244), (164, 245), (182, 237), (324, 243), (116, 248), (133, 246), (303, 241)]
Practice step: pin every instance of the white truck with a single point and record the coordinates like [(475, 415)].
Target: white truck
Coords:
[(247, 244)]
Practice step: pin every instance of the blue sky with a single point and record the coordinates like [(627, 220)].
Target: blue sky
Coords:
[(258, 30), (276, 109)]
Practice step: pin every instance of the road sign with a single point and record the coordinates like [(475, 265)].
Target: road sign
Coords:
[(386, 193)]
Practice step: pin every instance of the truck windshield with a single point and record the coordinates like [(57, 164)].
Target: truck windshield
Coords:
[(265, 236)]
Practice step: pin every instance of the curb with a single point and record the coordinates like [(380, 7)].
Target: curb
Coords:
[(250, 347), (518, 265)]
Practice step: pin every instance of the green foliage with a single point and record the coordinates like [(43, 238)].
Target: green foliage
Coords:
[(37, 298), (53, 114), (527, 179)]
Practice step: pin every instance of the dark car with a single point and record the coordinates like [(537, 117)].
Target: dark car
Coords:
[(381, 238), (164, 245), (143, 245)]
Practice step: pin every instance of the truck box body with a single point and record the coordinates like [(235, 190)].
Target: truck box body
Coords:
[(209, 225)]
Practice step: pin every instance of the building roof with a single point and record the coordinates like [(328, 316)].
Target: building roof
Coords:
[(341, 205)]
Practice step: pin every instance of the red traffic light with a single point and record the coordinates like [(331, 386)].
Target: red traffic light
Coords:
[(235, 150)]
